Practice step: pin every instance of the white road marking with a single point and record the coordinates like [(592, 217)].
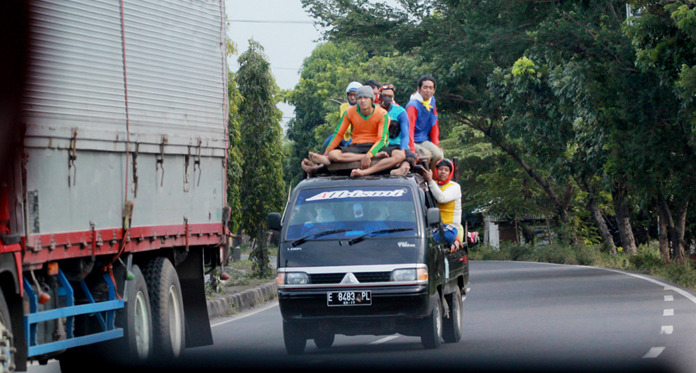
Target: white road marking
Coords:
[(686, 294), (654, 352), (385, 339), (667, 329), (668, 312), (669, 298), (246, 314)]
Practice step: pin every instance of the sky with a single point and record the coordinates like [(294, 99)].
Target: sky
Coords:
[(286, 32)]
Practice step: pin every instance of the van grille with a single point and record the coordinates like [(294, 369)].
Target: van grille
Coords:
[(326, 278)]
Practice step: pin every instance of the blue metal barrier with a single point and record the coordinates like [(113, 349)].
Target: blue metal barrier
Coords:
[(107, 321)]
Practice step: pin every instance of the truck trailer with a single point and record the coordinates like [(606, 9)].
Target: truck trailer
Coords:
[(113, 201)]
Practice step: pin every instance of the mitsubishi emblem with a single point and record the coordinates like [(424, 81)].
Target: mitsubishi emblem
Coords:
[(349, 278)]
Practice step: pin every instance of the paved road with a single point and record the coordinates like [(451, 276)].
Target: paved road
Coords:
[(518, 317)]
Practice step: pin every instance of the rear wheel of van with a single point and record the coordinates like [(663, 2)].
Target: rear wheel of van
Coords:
[(432, 327), (294, 338), (167, 307), (452, 326), (324, 340)]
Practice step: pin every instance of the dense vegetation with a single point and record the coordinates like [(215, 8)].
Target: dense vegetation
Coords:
[(568, 110), (255, 160)]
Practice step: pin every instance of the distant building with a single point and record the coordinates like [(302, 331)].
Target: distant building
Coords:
[(499, 229)]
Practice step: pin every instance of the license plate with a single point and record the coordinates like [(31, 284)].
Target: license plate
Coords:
[(349, 298)]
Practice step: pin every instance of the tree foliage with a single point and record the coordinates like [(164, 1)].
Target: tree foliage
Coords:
[(566, 109), (261, 188)]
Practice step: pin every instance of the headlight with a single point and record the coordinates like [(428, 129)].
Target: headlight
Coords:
[(404, 275), (296, 278), (411, 274)]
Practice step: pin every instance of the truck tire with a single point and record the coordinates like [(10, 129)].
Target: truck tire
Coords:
[(324, 340), (166, 304), (7, 349), (294, 338), (432, 327), (452, 326), (136, 320)]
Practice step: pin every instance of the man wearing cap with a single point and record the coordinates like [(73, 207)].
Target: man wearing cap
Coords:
[(370, 124), (424, 130), (448, 195)]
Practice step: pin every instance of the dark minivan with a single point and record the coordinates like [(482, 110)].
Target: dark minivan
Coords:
[(357, 256)]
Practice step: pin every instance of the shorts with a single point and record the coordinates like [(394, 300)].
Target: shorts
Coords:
[(428, 149), (411, 157), (364, 148), (452, 232)]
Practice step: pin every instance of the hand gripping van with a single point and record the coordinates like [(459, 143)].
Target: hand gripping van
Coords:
[(358, 256)]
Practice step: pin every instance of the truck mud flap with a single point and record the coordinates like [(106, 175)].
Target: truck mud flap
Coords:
[(192, 280)]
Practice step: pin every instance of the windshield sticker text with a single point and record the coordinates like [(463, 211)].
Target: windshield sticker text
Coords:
[(357, 194)]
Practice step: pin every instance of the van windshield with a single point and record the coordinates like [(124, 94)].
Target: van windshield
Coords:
[(353, 212)]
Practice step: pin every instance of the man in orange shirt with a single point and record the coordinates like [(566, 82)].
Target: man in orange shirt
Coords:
[(370, 124)]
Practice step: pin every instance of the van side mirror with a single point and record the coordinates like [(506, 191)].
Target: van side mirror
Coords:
[(273, 221), (433, 216)]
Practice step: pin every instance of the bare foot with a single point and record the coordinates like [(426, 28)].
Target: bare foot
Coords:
[(310, 167), (401, 171), (319, 158), (381, 154), (358, 172), (455, 247)]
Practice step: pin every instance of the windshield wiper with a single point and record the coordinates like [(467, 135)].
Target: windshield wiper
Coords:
[(360, 238), (317, 235)]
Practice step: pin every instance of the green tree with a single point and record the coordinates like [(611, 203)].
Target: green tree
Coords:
[(235, 161), (665, 39), (261, 186), (317, 97)]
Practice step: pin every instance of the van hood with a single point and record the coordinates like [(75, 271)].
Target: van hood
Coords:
[(375, 250)]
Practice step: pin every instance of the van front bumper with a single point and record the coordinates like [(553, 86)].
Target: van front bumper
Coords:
[(387, 302)]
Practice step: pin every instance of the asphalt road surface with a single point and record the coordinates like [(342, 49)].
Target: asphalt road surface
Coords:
[(520, 317)]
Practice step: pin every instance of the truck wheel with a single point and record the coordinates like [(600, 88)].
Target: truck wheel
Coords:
[(295, 340), (324, 340), (7, 349), (168, 323), (452, 326), (136, 320), (432, 327)]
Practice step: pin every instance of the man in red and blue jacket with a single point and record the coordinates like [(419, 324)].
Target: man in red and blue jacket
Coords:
[(424, 132)]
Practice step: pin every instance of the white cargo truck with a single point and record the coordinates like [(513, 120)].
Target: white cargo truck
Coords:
[(113, 201)]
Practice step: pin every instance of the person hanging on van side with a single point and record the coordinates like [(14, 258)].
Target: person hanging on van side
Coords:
[(448, 195), (424, 130), (370, 124)]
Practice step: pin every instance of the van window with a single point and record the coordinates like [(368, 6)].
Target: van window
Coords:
[(359, 210)]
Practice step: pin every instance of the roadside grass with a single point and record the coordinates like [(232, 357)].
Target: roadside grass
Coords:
[(241, 275), (646, 261)]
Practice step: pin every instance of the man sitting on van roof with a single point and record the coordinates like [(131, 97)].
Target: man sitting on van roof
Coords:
[(308, 166), (424, 136), (370, 137), (448, 195)]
